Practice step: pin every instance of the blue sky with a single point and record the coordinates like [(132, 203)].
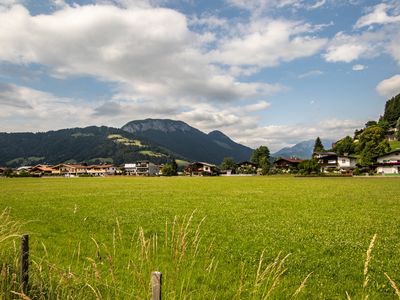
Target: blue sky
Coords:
[(265, 72)]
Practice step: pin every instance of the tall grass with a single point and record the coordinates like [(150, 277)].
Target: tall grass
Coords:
[(121, 268)]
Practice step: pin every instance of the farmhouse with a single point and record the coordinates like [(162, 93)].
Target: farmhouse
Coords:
[(346, 163), (200, 169), (2, 170), (23, 169), (41, 170), (327, 160), (286, 164), (69, 170), (388, 163)]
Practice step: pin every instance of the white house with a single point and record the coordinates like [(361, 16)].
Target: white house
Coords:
[(346, 162), (130, 169), (388, 163), (142, 168)]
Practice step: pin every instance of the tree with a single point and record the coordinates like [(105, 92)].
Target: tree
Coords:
[(392, 110), (398, 129), (168, 170), (370, 123), (318, 147), (384, 125), (261, 156), (372, 142), (228, 164), (264, 165), (311, 166), (259, 153), (345, 145), (174, 166)]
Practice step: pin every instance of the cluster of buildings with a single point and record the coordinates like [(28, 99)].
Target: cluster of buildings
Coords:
[(388, 163), (144, 168), (329, 162)]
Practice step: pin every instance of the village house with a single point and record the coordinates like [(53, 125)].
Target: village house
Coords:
[(2, 171), (129, 169), (346, 163), (200, 169), (142, 168), (388, 163), (41, 170), (96, 170), (327, 160), (69, 170), (286, 165), (23, 170), (146, 168)]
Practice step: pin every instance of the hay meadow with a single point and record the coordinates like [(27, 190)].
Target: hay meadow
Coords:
[(212, 238)]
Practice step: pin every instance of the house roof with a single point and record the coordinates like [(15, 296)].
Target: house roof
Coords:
[(292, 160), (77, 166), (388, 153), (42, 168), (201, 163), (325, 153)]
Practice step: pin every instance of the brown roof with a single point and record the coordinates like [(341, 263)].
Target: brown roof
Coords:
[(42, 168), (292, 160)]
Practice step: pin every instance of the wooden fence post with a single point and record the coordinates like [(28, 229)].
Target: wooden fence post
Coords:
[(24, 267), (156, 282)]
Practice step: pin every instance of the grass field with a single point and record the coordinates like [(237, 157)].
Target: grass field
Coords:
[(101, 237)]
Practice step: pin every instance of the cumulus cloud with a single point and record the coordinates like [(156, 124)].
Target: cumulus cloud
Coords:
[(389, 87), (267, 43), (347, 48), (26, 109), (367, 41), (359, 67), (379, 15), (131, 47), (279, 136)]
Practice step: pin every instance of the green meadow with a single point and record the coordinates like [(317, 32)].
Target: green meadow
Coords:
[(212, 238)]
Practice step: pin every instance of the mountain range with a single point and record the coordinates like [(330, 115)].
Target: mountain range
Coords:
[(302, 150), (157, 140), (151, 139)]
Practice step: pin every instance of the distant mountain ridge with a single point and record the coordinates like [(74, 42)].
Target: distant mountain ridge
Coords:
[(189, 142), (302, 150), (156, 140)]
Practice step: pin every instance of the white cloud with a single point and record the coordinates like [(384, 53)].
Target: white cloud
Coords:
[(379, 15), (359, 67), (394, 48), (347, 48), (26, 109), (266, 43), (279, 136), (129, 46), (259, 6), (389, 87), (311, 73), (317, 4)]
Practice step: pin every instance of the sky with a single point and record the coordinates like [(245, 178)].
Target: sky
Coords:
[(264, 72)]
